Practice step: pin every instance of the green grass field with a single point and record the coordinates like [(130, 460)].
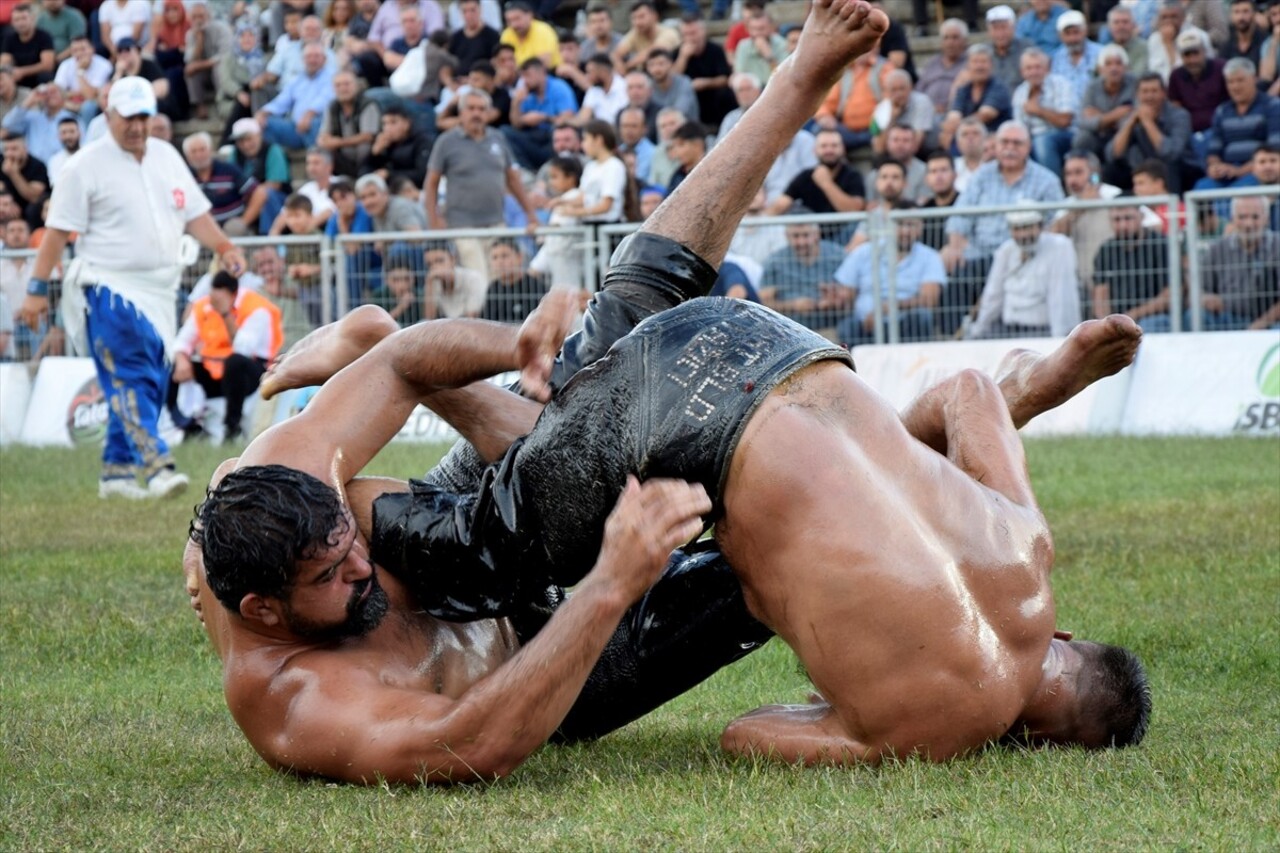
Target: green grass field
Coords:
[(115, 735)]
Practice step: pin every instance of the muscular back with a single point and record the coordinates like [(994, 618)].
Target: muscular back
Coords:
[(916, 597)]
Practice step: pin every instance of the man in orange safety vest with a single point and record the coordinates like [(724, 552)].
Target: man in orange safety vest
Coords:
[(226, 343)]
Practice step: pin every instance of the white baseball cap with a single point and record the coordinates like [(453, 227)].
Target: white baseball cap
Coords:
[(245, 127), (132, 96), (1189, 40), (1070, 18), (1000, 13), (1022, 218)]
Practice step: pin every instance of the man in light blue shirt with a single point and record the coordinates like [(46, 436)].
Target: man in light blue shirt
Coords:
[(540, 102), (799, 280), (1076, 60), (36, 120), (1011, 179), (286, 61), (632, 129), (921, 277), (292, 118), (1047, 105), (1039, 25)]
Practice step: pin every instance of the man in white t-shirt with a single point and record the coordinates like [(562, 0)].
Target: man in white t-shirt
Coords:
[(81, 75), (319, 166), (451, 290), (119, 19), (69, 136), (131, 198), (608, 93)]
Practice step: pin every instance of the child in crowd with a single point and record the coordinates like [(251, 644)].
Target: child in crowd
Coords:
[(400, 291), (560, 258), (302, 262)]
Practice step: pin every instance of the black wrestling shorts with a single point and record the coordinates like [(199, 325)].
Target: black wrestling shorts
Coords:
[(670, 399)]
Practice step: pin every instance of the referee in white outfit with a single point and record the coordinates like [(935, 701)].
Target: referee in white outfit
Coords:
[(130, 198)]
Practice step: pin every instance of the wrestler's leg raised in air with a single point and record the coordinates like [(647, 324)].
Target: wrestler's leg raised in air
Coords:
[(705, 209), (1032, 384)]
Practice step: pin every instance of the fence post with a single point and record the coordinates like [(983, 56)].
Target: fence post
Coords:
[(1175, 262), (875, 231), (890, 238), (336, 258), (329, 283), (590, 269)]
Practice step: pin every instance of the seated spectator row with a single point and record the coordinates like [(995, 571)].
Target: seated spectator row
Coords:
[(1053, 267), (416, 116)]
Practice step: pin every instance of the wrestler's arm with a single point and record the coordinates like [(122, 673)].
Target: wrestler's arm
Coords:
[(345, 723), (487, 416), (366, 403), (807, 734)]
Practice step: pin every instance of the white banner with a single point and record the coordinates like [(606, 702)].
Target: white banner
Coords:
[(67, 407), (902, 372), (15, 393), (423, 426), (1221, 383), (1211, 383), (426, 427)]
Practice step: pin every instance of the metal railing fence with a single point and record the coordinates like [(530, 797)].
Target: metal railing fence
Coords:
[(833, 272)]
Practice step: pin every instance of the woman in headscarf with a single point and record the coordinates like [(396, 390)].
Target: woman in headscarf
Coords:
[(246, 61)]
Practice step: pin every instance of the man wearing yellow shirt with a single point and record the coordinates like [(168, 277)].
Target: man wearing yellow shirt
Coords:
[(645, 34), (531, 38)]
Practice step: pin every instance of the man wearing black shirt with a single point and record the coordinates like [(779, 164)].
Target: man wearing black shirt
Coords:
[(833, 186), (398, 150), (895, 48), (1131, 272), (940, 178), (514, 292), (28, 49), (131, 63), (23, 177), (366, 56), (704, 63), (475, 41)]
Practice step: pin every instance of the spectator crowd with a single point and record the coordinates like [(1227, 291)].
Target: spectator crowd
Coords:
[(413, 116)]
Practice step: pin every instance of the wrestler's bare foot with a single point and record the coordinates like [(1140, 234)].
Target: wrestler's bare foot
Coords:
[(322, 353), (835, 33), (1033, 384)]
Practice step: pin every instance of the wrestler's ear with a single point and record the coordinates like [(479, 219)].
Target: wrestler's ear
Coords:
[(263, 609)]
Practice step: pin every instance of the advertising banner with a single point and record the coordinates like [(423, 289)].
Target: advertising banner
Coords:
[(1211, 383), (903, 371), (15, 393)]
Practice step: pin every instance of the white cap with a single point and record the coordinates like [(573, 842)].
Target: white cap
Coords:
[(1001, 13), (1070, 18), (1189, 40), (132, 96), (1019, 218), (245, 127)]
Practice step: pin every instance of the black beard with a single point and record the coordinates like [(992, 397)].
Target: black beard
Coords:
[(362, 616)]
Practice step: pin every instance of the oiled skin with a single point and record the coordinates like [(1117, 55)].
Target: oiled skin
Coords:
[(917, 598)]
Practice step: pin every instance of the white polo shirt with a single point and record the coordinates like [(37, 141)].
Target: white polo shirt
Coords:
[(68, 75), (130, 215), (606, 105)]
